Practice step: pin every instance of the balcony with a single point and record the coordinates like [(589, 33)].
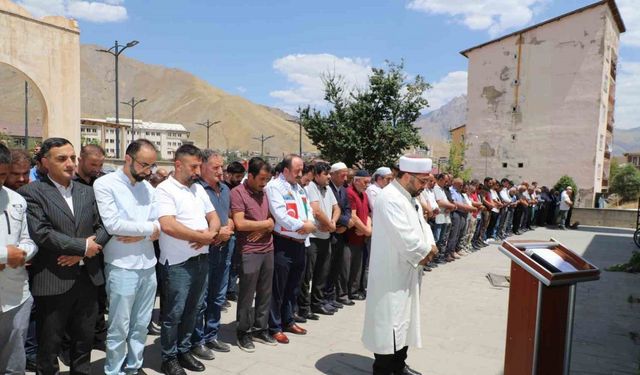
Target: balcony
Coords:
[(607, 155), (605, 184)]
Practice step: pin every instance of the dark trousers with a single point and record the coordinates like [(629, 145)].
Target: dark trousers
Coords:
[(492, 224), (390, 364), (315, 275), (517, 218), (256, 278), (74, 312), (31, 345), (458, 222), (288, 270), (356, 252), (234, 271), (364, 279), (332, 289)]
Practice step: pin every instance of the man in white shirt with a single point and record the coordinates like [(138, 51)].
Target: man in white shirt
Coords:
[(381, 178), (326, 213), (289, 206), (443, 218), (127, 208), (16, 248), (565, 205), (189, 224)]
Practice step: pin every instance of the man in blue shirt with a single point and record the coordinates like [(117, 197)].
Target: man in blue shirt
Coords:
[(205, 336)]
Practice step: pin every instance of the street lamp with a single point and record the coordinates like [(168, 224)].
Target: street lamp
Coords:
[(300, 139), (133, 103), (262, 139), (116, 50), (207, 125)]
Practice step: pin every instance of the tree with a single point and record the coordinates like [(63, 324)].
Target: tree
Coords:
[(456, 161), (626, 182), (565, 181), (614, 168), (369, 127)]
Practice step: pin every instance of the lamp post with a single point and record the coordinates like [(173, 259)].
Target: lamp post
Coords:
[(116, 50), (300, 136), (133, 103), (207, 125), (26, 115), (262, 139)]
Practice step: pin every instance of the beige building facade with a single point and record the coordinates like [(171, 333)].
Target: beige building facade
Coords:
[(541, 101), (47, 51)]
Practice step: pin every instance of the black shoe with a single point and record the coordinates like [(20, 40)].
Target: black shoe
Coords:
[(203, 352), (346, 301), (64, 357), (357, 297), (227, 303), (336, 304), (172, 367), (31, 365), (299, 319), (188, 361), (408, 371), (246, 343), (153, 329), (264, 337), (427, 269), (312, 316), (101, 346), (232, 297), (322, 310), (432, 264), (218, 346)]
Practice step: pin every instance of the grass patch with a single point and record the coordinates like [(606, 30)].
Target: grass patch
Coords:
[(632, 266)]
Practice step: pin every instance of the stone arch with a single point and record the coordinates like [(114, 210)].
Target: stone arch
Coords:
[(47, 51)]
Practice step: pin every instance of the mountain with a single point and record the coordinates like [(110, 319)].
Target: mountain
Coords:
[(626, 140), (435, 125), (173, 96)]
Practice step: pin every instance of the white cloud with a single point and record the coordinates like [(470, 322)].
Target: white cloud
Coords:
[(628, 95), (91, 11), (495, 16), (630, 13), (304, 73), (241, 89), (450, 86)]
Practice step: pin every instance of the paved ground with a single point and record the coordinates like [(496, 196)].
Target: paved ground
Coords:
[(464, 322)]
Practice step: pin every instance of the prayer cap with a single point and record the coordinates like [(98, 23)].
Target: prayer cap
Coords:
[(415, 165), (338, 166)]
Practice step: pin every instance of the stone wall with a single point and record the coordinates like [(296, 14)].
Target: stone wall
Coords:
[(605, 217)]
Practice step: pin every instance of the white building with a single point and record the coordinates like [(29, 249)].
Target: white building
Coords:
[(166, 137)]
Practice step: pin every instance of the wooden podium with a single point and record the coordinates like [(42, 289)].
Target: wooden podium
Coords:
[(541, 308)]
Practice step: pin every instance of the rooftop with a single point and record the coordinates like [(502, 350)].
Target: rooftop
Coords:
[(611, 3), (139, 124)]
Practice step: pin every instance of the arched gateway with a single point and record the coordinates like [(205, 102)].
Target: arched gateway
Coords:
[(47, 51)]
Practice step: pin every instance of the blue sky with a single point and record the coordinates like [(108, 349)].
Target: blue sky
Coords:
[(272, 52)]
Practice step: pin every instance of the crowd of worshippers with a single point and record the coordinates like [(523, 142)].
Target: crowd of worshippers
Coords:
[(467, 216), (287, 244)]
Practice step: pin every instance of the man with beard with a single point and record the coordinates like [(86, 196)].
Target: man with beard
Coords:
[(19, 170), (126, 204), (90, 164), (189, 225), (402, 244)]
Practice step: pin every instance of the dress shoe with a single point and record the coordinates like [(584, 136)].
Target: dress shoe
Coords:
[(31, 365), (281, 338), (455, 255), (432, 264), (439, 260), (203, 352), (357, 297), (264, 337), (245, 343), (64, 357), (153, 329), (232, 297), (299, 319), (172, 367), (346, 301), (408, 371), (312, 316), (322, 310), (218, 346), (295, 329), (101, 346), (449, 258), (336, 304), (188, 361), (427, 269)]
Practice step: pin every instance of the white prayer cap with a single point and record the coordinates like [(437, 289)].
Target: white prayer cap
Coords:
[(338, 166), (382, 171), (415, 165), (569, 188)]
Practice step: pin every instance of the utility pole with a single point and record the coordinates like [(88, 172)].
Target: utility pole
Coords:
[(300, 135), (207, 125), (26, 115), (262, 139), (133, 103)]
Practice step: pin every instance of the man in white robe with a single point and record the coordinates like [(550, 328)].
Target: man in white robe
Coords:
[(402, 244)]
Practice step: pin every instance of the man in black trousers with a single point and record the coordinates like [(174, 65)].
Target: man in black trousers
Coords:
[(66, 272)]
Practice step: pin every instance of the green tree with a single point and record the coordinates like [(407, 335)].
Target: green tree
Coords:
[(626, 182), (565, 181), (456, 161), (614, 168), (369, 127)]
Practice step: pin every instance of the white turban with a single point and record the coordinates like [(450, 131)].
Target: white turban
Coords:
[(415, 165)]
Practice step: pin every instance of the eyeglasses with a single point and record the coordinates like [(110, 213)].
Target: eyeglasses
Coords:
[(423, 181), (153, 167)]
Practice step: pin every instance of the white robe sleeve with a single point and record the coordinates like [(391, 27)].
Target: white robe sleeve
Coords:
[(412, 247)]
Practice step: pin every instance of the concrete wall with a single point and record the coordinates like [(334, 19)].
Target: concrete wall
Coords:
[(534, 101), (48, 52), (605, 217)]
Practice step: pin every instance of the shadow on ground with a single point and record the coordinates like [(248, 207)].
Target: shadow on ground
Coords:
[(344, 363)]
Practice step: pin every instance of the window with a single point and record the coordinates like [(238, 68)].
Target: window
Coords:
[(504, 165), (520, 165)]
